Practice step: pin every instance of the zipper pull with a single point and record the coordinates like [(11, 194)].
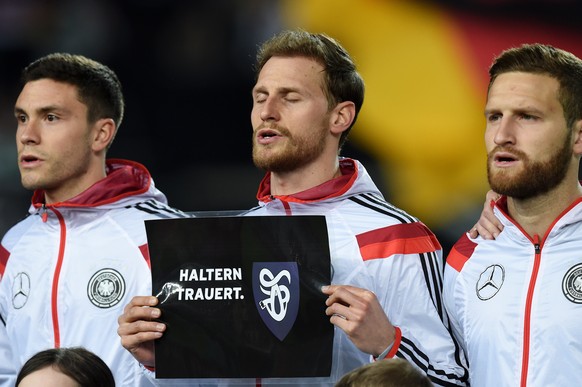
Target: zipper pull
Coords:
[(44, 214), (537, 244)]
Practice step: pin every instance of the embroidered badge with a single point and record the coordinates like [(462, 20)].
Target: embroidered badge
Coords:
[(106, 288), (490, 281), (572, 284)]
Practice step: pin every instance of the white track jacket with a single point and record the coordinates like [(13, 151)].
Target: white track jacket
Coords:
[(375, 246), (515, 303), (68, 269)]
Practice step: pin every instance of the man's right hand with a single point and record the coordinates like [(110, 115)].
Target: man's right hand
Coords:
[(138, 330)]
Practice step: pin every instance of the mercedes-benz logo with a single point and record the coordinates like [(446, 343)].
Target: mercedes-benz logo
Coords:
[(490, 281), (20, 290)]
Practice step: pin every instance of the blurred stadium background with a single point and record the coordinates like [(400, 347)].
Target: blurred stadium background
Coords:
[(186, 69)]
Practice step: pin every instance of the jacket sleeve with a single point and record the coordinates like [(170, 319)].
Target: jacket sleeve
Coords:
[(454, 288), (7, 366), (408, 284)]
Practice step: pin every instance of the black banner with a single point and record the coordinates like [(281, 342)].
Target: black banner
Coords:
[(241, 296)]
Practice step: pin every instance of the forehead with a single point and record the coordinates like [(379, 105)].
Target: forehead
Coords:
[(523, 89), (48, 91), (291, 72), (49, 377)]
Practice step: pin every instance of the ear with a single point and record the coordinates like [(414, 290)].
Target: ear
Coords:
[(103, 132), (342, 117), (577, 135)]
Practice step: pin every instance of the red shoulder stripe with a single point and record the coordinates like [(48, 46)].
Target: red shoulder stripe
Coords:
[(4, 254), (146, 254), (407, 238), (460, 253)]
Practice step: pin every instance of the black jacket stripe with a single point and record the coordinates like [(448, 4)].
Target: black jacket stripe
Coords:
[(385, 211), (440, 377)]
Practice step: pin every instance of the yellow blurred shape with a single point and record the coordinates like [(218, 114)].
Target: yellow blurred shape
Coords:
[(422, 117)]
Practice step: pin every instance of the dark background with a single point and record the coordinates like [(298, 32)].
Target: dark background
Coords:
[(186, 69)]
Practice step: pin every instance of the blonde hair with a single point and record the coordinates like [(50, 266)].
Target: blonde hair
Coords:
[(393, 372)]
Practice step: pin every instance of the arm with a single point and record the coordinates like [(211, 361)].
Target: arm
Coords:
[(419, 312), (403, 306), (488, 226), (7, 367), (138, 330)]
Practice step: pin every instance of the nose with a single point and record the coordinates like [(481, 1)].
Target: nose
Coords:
[(28, 133), (269, 110), (504, 133)]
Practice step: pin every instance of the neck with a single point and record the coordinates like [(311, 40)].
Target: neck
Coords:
[(74, 187), (535, 215), (302, 179)]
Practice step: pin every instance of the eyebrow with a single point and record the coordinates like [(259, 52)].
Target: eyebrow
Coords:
[(42, 110), (280, 90), (526, 109)]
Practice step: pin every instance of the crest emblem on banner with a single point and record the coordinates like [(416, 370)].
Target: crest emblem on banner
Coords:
[(276, 292)]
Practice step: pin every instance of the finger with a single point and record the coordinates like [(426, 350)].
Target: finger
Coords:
[(339, 321), (341, 295), (489, 224), (473, 233), (140, 301), (338, 309), (138, 313), (139, 327), (135, 340), (144, 301), (492, 196)]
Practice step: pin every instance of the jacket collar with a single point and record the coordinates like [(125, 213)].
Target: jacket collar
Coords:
[(332, 188), (124, 178)]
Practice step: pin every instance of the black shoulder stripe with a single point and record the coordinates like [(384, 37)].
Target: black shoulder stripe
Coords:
[(2, 320), (386, 210), (433, 278), (381, 202), (161, 210)]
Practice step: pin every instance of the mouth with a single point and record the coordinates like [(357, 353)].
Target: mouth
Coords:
[(504, 158), (267, 136), (267, 133), (29, 160)]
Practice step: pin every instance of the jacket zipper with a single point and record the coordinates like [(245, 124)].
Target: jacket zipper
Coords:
[(43, 213), (527, 319), (56, 277)]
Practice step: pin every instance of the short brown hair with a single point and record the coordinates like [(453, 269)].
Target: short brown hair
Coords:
[(544, 59), (97, 85), (342, 82)]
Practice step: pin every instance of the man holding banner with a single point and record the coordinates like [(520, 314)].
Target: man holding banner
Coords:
[(385, 297)]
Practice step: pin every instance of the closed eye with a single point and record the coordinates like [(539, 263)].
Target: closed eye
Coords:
[(528, 117)]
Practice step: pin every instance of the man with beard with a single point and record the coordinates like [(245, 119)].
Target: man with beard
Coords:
[(385, 300), (515, 301)]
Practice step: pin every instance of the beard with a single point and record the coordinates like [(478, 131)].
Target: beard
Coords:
[(536, 177), (296, 152)]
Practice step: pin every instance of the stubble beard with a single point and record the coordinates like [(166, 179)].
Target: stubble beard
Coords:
[(296, 152), (55, 174), (535, 178)]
